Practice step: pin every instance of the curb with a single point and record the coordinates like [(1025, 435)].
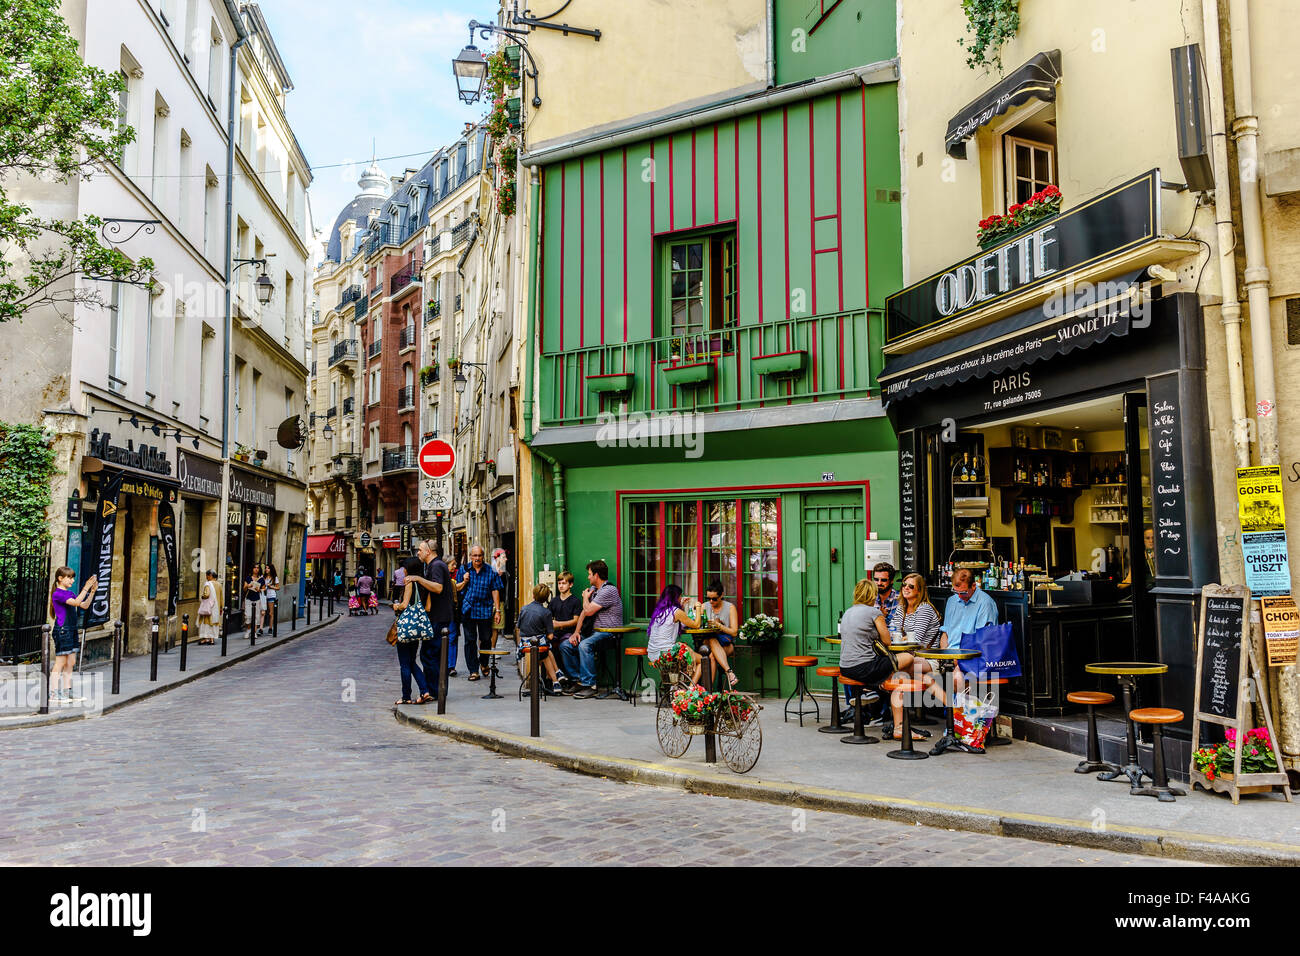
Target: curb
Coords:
[(163, 688), (1166, 844)]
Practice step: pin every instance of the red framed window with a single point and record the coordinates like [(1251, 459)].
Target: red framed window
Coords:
[(691, 542)]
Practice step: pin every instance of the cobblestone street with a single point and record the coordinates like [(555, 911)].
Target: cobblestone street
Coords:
[(273, 762)]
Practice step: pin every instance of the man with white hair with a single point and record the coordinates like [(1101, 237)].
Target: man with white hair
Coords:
[(481, 604)]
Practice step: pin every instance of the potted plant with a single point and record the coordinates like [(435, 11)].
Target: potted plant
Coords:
[(243, 452), (1215, 763), (453, 362), (693, 707), (426, 375), (1021, 217), (672, 661), (761, 629), (491, 467), (780, 364)]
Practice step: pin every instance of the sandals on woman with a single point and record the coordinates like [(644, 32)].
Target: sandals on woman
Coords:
[(399, 703), (732, 679), (425, 699), (472, 676)]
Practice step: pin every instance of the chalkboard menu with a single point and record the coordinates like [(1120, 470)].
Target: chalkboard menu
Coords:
[(1223, 620), (1168, 498), (907, 500)]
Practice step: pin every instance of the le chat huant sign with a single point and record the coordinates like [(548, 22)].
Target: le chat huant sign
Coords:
[(1104, 226)]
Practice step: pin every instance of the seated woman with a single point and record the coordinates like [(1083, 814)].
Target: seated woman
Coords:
[(667, 621), (722, 615), (915, 617), (860, 628)]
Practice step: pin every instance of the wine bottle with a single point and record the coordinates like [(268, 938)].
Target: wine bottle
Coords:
[(1119, 477), (963, 475)]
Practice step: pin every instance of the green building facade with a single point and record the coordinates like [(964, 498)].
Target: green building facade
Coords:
[(709, 320)]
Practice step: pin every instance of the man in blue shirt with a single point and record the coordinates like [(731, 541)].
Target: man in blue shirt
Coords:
[(480, 605), (966, 612)]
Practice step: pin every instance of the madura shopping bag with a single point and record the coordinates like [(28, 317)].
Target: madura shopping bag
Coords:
[(997, 652)]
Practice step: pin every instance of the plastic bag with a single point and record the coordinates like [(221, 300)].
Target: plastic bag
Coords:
[(973, 717)]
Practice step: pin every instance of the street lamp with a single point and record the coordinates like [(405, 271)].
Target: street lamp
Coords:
[(460, 381), (470, 69), (265, 288), (328, 432)]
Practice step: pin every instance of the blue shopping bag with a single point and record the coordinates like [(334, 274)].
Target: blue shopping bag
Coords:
[(997, 649)]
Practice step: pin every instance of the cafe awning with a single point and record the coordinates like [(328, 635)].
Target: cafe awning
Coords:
[(326, 545), (1062, 324), (1036, 79)]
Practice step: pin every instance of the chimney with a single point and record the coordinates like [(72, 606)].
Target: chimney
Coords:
[(409, 173), (395, 182)]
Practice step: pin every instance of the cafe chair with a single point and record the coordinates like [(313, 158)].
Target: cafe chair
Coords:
[(907, 686), (1155, 717), (1092, 699), (834, 727), (861, 697), (638, 681), (493, 653), (525, 664), (801, 663)]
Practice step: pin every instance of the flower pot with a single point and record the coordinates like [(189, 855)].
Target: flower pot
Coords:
[(613, 383), (780, 364), (694, 727), (1002, 237), (690, 376)]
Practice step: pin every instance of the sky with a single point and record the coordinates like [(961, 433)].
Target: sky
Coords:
[(371, 71)]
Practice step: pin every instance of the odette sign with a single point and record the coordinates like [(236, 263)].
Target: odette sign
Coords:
[(437, 459)]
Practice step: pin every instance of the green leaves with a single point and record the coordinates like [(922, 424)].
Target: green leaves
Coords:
[(993, 23), (26, 467), (58, 121)]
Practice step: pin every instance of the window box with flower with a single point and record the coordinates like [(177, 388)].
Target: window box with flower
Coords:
[(1021, 217)]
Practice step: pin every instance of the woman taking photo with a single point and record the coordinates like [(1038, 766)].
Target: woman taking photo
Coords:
[(667, 621), (915, 617)]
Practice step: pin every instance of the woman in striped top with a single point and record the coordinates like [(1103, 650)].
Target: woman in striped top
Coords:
[(915, 616)]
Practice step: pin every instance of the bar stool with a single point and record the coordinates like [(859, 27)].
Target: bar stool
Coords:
[(835, 727), (801, 663), (859, 735), (493, 653), (525, 671), (1156, 717), (1092, 699), (907, 686), (640, 677)]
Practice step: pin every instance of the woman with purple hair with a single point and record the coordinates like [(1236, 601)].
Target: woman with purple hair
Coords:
[(666, 622)]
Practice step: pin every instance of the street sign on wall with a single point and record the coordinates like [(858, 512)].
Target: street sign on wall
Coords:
[(435, 494), (437, 458)]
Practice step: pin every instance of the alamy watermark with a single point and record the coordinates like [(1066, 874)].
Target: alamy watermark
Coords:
[(684, 430)]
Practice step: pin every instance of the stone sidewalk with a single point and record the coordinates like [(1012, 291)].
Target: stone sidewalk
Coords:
[(1021, 790), (20, 690)]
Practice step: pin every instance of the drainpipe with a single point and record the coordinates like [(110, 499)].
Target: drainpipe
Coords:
[(241, 37), (1230, 309), (557, 479), (1284, 681)]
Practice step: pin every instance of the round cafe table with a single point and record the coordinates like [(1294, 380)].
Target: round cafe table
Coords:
[(1127, 672), (947, 661), (616, 678)]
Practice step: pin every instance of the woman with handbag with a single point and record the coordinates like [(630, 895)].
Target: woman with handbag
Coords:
[(865, 654), (209, 609), (412, 626)]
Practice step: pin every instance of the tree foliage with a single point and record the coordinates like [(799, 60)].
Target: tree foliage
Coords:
[(26, 467), (991, 23), (58, 121)]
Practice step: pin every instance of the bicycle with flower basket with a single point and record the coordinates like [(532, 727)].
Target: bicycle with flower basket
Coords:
[(687, 710)]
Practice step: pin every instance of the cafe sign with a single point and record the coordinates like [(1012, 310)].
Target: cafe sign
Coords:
[(198, 476), (1102, 227), (145, 458), (251, 489)]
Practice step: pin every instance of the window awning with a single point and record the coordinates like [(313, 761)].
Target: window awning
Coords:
[(1036, 79), (1044, 332), (326, 545)]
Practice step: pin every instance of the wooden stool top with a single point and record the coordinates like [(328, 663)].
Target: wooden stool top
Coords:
[(634, 652), (1155, 715), (828, 671), (620, 629), (493, 652), (850, 682), (1093, 698), (905, 684), (799, 660)]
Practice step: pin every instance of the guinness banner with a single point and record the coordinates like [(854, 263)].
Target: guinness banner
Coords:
[(167, 530), (98, 553)]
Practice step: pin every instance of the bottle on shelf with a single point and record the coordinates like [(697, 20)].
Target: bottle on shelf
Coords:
[(964, 474), (1119, 473)]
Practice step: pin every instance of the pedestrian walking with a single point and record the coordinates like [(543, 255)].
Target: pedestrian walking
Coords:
[(338, 584), (63, 605), (480, 608), (438, 587), (270, 596), (209, 610), (413, 626), (253, 596), (454, 628)]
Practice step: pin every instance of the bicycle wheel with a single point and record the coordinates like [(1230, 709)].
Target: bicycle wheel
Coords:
[(673, 739), (740, 738)]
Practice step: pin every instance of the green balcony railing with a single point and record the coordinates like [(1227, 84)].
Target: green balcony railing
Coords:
[(718, 370)]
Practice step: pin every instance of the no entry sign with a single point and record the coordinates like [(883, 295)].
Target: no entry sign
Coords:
[(437, 458)]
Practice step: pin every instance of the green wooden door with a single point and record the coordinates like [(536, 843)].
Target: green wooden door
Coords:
[(834, 528)]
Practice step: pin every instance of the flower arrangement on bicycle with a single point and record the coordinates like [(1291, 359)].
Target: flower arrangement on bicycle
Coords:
[(695, 705), (677, 656)]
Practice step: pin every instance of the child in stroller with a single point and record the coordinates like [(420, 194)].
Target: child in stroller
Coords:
[(354, 605)]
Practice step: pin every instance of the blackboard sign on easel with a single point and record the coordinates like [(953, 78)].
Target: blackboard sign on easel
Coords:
[(1223, 691)]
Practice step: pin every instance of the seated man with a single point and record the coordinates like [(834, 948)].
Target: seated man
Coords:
[(602, 603), (535, 621), (966, 612)]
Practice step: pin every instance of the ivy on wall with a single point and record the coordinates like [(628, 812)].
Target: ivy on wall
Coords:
[(26, 468), (501, 76), (991, 23)]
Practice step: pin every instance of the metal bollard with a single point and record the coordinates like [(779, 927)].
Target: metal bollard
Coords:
[(293, 626), (309, 612), (45, 670), (153, 648), (710, 741), (252, 629), (185, 638), (443, 651), (117, 657), (225, 629), (275, 618), (535, 689), (331, 604)]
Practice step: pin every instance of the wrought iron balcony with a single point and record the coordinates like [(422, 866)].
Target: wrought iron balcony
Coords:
[(350, 295), (360, 309), (376, 347), (399, 459), (458, 303), (431, 312), (332, 412), (461, 232), (349, 404), (406, 398), (404, 278), (344, 351), (408, 338), (430, 377)]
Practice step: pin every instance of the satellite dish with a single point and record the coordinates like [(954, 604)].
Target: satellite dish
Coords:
[(291, 434)]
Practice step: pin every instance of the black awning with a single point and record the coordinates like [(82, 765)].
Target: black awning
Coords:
[(1036, 79), (1059, 325)]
